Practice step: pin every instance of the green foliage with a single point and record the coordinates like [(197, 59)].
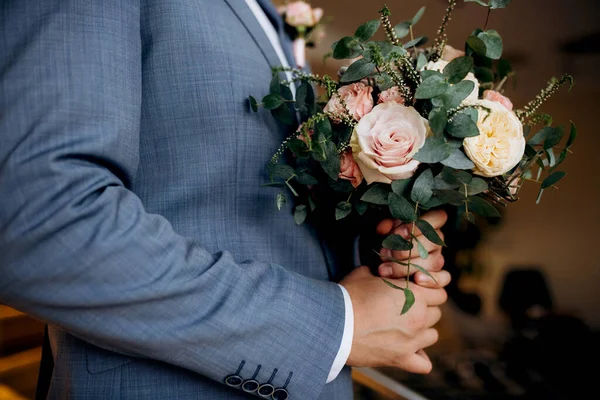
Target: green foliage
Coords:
[(456, 94), (367, 30), (462, 126), (409, 300), (458, 69), (399, 186), (493, 44), (358, 70), (377, 194), (458, 160), (433, 86), (347, 47), (482, 207), (272, 101), (553, 178), (280, 201), (280, 171), (423, 188), (342, 210), (331, 164), (493, 4), (300, 214), (283, 114), (451, 197), (253, 103), (396, 242), (403, 29), (401, 208), (434, 150), (429, 232), (437, 121), (475, 186), (416, 42)]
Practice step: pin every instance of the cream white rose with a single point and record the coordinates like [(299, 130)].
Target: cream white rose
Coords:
[(500, 144), (385, 141), (441, 64)]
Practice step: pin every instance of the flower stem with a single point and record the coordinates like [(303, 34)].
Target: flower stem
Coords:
[(487, 18), (412, 235)]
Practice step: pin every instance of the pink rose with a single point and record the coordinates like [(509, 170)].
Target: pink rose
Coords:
[(392, 94), (349, 169), (450, 53), (492, 95), (385, 141), (300, 13), (358, 98)]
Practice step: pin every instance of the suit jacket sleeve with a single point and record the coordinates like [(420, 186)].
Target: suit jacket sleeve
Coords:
[(77, 248)]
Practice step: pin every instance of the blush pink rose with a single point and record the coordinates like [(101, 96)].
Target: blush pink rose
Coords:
[(392, 94), (300, 13), (492, 95), (450, 53), (385, 141), (349, 169), (358, 98)]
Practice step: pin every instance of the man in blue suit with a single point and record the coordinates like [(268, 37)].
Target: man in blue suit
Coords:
[(133, 221)]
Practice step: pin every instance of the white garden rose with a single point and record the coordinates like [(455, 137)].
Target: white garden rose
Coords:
[(500, 144), (385, 141), (441, 64)]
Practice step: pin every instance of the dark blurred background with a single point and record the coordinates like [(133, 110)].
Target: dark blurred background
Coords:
[(523, 317)]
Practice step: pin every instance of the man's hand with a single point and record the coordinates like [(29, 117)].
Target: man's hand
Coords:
[(433, 263), (383, 337)]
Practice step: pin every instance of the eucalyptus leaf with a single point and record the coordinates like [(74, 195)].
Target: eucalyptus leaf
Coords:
[(402, 29), (572, 136), (423, 187), (342, 210), (423, 253), (483, 208), (361, 207), (450, 196), (275, 85), (331, 165), (347, 47), (416, 42), (358, 70), (484, 74), (551, 157), (393, 286), (456, 94), (554, 137), (429, 232), (280, 201), (433, 151), (418, 16), (283, 114), (480, 2), (504, 68), (553, 178), (272, 101), (462, 126), (280, 171), (539, 196), (377, 194), (476, 186), (477, 45), (253, 103), (304, 178), (493, 44), (409, 300), (421, 61), (399, 186), (300, 214), (397, 243), (437, 121), (401, 208), (367, 30), (458, 69), (458, 160), (494, 4)]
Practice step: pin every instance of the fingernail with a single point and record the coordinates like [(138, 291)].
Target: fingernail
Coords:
[(385, 270), (424, 278)]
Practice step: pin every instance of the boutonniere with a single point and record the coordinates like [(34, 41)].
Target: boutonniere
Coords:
[(302, 23)]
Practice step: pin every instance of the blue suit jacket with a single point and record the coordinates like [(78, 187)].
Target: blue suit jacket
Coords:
[(132, 217)]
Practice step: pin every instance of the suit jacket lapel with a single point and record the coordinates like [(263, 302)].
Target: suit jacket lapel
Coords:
[(243, 12)]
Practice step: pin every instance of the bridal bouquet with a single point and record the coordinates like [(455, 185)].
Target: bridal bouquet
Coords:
[(409, 126)]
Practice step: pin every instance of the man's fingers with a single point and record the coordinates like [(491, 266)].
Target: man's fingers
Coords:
[(418, 363), (440, 279), (432, 297), (433, 263), (385, 227), (434, 314)]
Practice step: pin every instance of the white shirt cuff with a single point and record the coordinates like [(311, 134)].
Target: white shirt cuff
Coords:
[(346, 345)]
